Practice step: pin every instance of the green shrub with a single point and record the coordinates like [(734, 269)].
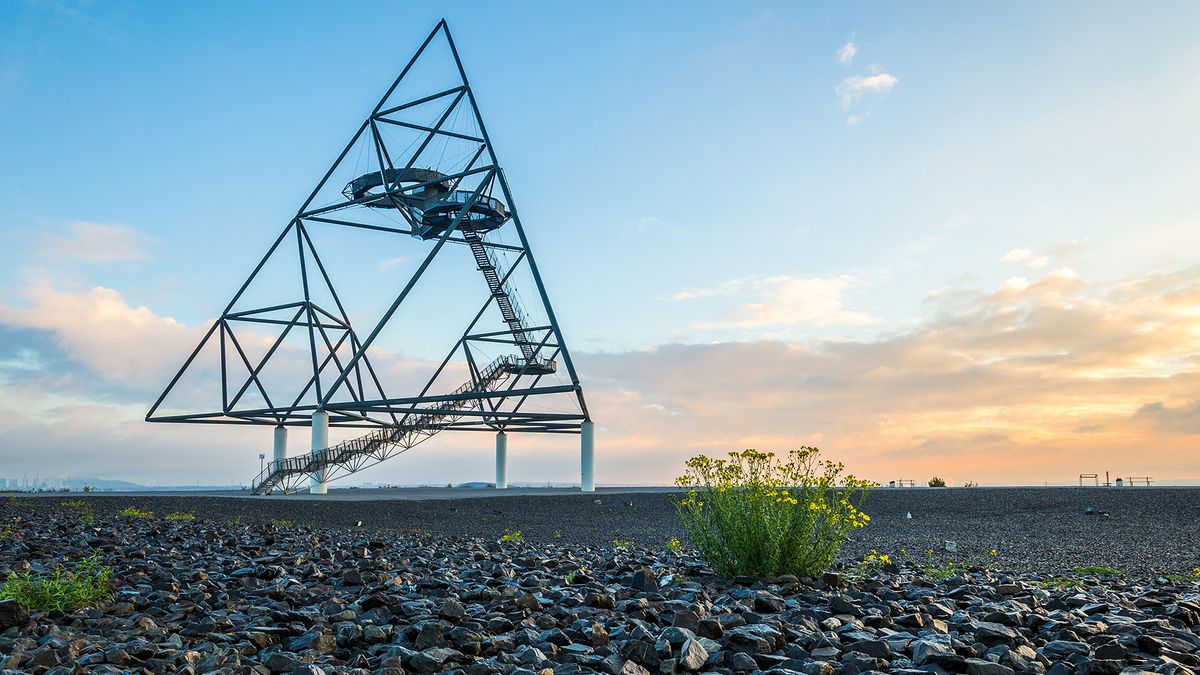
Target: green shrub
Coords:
[(512, 535), (673, 544), (83, 509), (135, 512), (87, 583), (937, 482), (187, 516), (753, 515)]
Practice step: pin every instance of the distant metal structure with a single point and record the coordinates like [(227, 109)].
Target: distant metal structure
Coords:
[(445, 186)]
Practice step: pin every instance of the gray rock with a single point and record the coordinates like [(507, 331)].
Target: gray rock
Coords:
[(432, 659), (741, 661), (693, 655), (756, 637), (1058, 650), (874, 648), (12, 614), (643, 580), (982, 667)]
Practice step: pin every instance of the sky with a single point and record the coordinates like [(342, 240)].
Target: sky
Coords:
[(953, 239)]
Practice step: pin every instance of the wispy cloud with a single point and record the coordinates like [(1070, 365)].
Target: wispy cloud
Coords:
[(1026, 257), (643, 225), (95, 243), (846, 54), (782, 301), (389, 264), (865, 89)]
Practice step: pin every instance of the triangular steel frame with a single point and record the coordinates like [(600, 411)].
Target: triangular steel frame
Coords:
[(347, 387)]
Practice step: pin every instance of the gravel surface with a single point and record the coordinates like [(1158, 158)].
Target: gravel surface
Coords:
[(1146, 531), (223, 595)]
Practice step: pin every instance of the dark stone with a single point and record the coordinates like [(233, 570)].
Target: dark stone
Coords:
[(982, 667), (12, 614), (640, 651), (767, 602), (741, 661), (453, 610), (1059, 650), (643, 580), (431, 660), (840, 604), (710, 627), (874, 648)]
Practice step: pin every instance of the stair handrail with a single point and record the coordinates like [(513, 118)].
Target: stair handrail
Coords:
[(310, 463)]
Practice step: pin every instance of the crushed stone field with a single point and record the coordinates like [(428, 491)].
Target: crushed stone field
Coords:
[(1140, 531), (298, 586)]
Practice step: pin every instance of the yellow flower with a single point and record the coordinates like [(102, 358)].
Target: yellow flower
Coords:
[(994, 553), (885, 559)]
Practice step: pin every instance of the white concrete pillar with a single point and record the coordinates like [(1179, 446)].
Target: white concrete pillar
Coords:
[(587, 453), (501, 460), (317, 485), (280, 443)]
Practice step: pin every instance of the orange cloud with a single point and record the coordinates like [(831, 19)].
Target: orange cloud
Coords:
[(1038, 380)]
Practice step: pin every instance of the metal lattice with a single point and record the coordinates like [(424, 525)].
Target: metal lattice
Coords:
[(444, 187)]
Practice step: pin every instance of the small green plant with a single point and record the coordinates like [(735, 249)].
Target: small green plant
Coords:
[(558, 534), (135, 512), (281, 522), (674, 545), (83, 509), (941, 571), (754, 515), (186, 516), (872, 563), (236, 521), (1058, 582), (937, 482), (87, 583), (1095, 569), (6, 533), (571, 576), (87, 488), (512, 535), (622, 543)]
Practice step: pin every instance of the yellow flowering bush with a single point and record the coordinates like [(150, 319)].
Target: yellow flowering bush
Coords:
[(755, 515)]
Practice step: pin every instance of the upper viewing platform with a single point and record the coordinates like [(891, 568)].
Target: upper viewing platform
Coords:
[(429, 198)]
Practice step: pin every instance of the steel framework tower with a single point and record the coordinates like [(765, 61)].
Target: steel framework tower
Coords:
[(422, 166)]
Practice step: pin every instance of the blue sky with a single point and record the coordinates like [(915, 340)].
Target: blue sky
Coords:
[(689, 173)]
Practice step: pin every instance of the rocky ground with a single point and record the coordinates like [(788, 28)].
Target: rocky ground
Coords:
[(1142, 531), (229, 594)]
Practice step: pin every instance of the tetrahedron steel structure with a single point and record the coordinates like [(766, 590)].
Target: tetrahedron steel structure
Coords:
[(421, 171)]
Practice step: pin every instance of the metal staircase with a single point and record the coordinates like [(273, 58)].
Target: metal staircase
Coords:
[(509, 309), (356, 454)]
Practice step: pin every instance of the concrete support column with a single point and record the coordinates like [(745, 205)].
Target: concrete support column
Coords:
[(587, 453), (280, 444), (317, 485), (501, 460)]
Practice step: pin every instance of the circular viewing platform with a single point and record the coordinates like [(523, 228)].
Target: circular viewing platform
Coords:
[(426, 195)]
